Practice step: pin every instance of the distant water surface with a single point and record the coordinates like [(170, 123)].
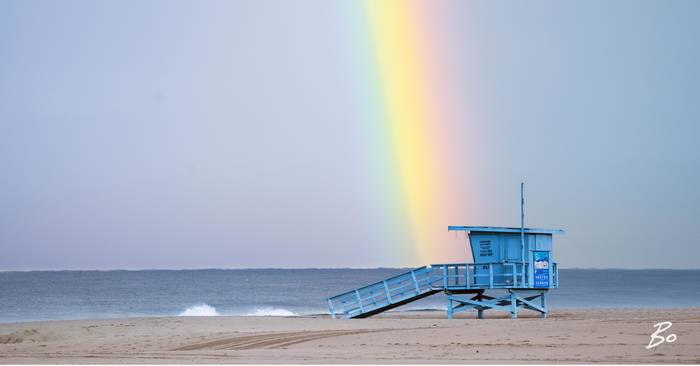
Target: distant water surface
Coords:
[(49, 295)]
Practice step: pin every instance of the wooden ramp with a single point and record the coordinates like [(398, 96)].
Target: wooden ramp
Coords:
[(385, 295)]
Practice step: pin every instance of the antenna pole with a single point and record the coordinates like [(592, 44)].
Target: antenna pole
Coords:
[(522, 231)]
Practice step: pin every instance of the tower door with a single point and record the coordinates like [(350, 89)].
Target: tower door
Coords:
[(513, 250)]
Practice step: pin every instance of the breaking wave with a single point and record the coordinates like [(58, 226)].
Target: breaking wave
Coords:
[(200, 310)]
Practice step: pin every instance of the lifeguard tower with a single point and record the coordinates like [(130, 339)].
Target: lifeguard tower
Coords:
[(512, 268)]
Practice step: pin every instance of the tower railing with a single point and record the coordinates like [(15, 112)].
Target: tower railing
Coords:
[(466, 276)]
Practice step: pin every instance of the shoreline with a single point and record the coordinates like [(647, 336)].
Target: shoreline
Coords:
[(578, 335), (388, 314)]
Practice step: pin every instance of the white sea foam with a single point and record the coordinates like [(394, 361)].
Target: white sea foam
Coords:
[(200, 310), (271, 312)]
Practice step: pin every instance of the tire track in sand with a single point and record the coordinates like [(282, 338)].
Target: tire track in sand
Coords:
[(270, 340)]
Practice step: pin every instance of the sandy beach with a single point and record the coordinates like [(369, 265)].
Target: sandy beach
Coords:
[(608, 336)]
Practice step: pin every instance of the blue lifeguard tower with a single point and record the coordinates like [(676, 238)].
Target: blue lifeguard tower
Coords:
[(511, 268)]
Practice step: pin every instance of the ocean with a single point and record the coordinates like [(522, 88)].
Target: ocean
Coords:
[(54, 295)]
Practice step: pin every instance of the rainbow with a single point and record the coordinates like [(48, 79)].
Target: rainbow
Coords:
[(416, 119)]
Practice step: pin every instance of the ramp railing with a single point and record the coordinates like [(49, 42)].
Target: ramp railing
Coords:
[(383, 295)]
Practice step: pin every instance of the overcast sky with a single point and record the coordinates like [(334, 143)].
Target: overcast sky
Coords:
[(169, 134)]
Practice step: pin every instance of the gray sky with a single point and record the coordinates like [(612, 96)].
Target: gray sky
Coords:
[(147, 134)]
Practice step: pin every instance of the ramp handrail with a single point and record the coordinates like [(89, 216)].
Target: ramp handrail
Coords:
[(383, 293)]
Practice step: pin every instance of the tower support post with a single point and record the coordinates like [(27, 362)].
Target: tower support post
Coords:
[(543, 302), (449, 308)]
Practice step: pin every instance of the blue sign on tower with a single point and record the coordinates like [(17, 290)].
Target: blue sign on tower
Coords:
[(541, 264)]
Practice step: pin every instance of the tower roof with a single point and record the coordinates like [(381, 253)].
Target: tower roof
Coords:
[(494, 229)]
